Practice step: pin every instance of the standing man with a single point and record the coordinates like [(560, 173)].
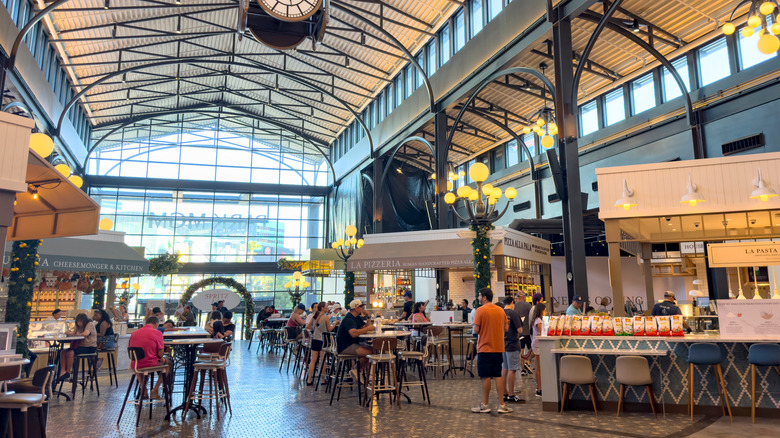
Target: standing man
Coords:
[(667, 307), (490, 323), (408, 306), (511, 355), (576, 306), (523, 308)]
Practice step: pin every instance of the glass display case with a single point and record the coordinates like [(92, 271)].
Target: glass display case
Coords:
[(52, 328)]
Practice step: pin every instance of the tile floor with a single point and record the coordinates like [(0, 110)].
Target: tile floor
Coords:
[(267, 403)]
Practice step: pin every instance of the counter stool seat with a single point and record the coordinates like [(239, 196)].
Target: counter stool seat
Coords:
[(634, 371), (577, 370), (706, 353), (766, 355)]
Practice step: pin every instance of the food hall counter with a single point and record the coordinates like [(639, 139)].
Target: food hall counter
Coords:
[(668, 360)]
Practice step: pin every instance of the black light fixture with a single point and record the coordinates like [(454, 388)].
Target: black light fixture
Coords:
[(178, 25), (635, 26), (106, 4)]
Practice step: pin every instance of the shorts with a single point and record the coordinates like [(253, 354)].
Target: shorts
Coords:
[(489, 365), (316, 345), (511, 360), (352, 349), (525, 342)]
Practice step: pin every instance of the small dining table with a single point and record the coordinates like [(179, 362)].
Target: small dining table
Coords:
[(56, 345), (459, 327), (188, 347), (412, 326)]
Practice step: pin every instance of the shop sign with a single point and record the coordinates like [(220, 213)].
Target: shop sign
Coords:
[(736, 254), (749, 319), (524, 247), (203, 299), (692, 247), (389, 264)]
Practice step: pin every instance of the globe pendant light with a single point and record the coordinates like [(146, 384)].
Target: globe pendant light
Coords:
[(758, 13)]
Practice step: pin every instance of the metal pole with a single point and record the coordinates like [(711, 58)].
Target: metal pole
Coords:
[(440, 131)]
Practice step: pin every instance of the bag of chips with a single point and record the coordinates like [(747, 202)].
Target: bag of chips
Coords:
[(651, 329), (566, 325), (553, 325), (585, 329), (606, 329), (595, 325), (639, 326), (576, 324), (617, 326), (677, 325), (664, 326), (628, 326), (559, 326)]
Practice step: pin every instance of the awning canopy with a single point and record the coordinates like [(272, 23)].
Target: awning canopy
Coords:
[(62, 209), (87, 255), (451, 253)]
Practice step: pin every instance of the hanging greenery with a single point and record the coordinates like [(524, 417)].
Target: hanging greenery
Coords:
[(349, 287), (481, 247), (233, 284), (286, 264), (124, 298), (165, 264), (24, 262), (99, 295), (295, 296)]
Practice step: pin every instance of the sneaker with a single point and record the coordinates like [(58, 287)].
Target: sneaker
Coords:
[(538, 392), (63, 377), (482, 409), (528, 367), (514, 399), (524, 373), (504, 409)]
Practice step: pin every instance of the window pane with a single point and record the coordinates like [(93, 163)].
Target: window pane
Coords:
[(749, 55), (431, 65), (409, 78), (614, 105), (460, 30), (399, 90), (419, 76), (444, 43), (643, 93), (714, 62), (495, 8), (589, 118), (511, 154), (499, 163), (530, 145), (671, 89), (476, 17)]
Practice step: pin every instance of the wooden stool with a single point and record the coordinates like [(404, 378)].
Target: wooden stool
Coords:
[(24, 401), (217, 377), (343, 364), (382, 375), (418, 358)]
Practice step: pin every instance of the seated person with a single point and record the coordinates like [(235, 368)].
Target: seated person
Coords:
[(297, 322), (263, 315), (56, 315), (151, 340), (213, 316), (156, 312), (418, 315), (348, 334), (188, 317), (84, 327), (169, 324), (228, 327), (217, 330)]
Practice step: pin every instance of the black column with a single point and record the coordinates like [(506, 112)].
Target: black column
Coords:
[(573, 232), (440, 129), (377, 175)]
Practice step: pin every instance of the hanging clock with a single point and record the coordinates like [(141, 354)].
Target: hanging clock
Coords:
[(291, 10)]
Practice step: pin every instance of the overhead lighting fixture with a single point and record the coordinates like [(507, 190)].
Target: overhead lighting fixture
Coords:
[(693, 196), (762, 192), (635, 26), (178, 25), (627, 201), (42, 144), (34, 192), (106, 4), (759, 11)]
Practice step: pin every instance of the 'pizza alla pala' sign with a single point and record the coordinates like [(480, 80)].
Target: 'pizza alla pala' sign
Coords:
[(205, 298), (736, 254)]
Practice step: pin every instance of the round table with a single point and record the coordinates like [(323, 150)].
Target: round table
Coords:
[(456, 327), (56, 344), (413, 326), (190, 353), (188, 333), (387, 334)]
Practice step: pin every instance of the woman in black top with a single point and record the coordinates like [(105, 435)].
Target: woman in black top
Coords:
[(105, 329)]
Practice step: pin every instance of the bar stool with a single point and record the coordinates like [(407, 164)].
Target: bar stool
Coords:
[(25, 401), (213, 371), (471, 355), (328, 353), (382, 376), (418, 358), (147, 375), (767, 355), (439, 350), (343, 364), (88, 365), (290, 340), (707, 354), (111, 362), (634, 371), (577, 370)]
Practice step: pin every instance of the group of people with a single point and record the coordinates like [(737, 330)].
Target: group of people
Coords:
[(98, 333), (502, 335)]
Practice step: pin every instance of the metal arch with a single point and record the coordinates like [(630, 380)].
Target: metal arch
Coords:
[(588, 48), (293, 131), (258, 66), (370, 181), (392, 156), (486, 82), (395, 42)]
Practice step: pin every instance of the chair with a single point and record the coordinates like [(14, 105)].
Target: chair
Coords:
[(761, 355), (304, 353), (111, 362), (147, 375), (577, 370), (471, 355), (418, 358), (26, 394), (215, 370), (382, 376), (440, 349), (707, 354), (634, 371), (290, 340), (330, 361)]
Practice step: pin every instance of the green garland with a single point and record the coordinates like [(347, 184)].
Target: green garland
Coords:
[(285, 264), (233, 284), (99, 295), (349, 287), (481, 247), (164, 265), (24, 262)]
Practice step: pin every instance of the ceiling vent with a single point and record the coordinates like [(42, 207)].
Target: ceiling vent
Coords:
[(743, 144)]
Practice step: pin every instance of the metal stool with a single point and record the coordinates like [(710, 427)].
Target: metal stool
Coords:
[(634, 371), (767, 355), (577, 370), (343, 364), (289, 342), (418, 358), (147, 375), (88, 365), (111, 362), (707, 354), (382, 376)]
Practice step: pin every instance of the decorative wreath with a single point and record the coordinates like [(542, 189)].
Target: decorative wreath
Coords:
[(233, 284), (286, 264)]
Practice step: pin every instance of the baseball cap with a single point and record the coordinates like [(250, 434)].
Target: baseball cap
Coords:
[(354, 304), (537, 297), (669, 294), (301, 307), (408, 294), (577, 299)]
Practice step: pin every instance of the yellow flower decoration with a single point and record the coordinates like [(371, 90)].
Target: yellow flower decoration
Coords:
[(29, 279), (36, 263), (22, 245), (484, 257)]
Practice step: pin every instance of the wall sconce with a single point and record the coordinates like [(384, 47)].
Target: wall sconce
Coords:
[(762, 192), (627, 201), (693, 196)]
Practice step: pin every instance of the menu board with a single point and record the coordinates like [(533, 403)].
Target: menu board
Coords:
[(753, 319)]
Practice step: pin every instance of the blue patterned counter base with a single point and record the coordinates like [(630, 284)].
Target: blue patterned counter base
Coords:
[(670, 370)]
